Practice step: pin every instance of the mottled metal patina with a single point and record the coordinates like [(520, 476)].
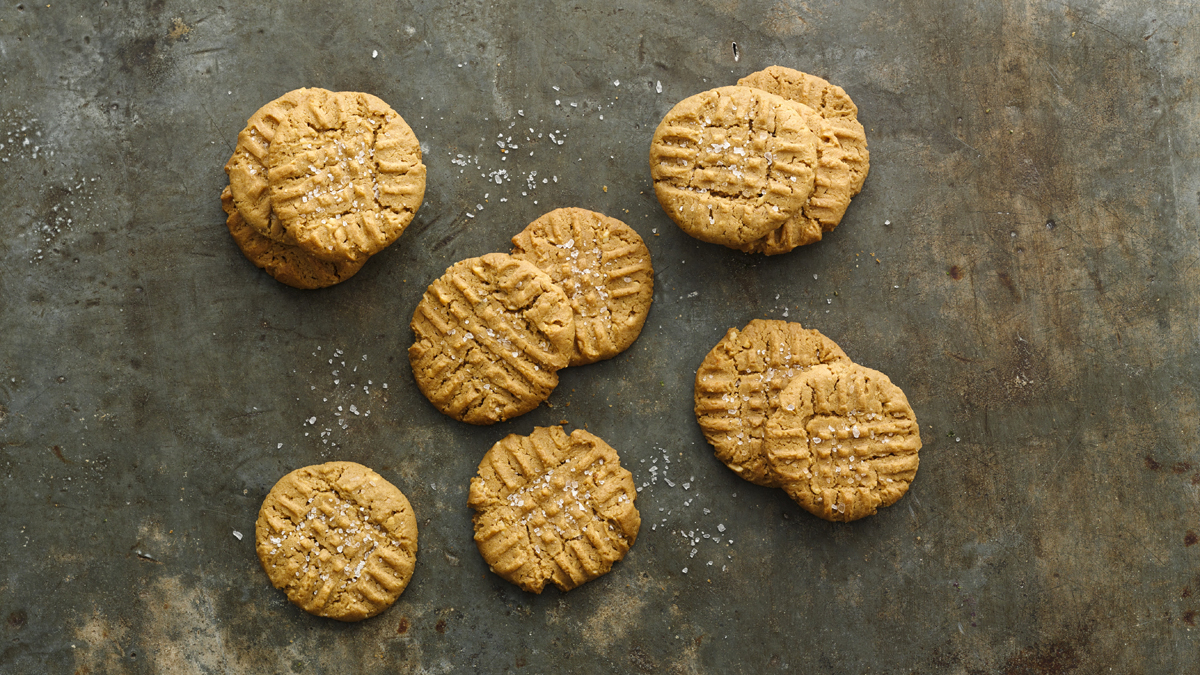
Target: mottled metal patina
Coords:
[(1022, 261)]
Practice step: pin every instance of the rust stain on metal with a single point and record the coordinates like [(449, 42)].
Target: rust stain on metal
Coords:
[(1006, 279), (642, 661), (17, 619), (1061, 656)]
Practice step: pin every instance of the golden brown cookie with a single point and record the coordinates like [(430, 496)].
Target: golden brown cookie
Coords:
[(830, 101), (338, 539), (843, 441), (287, 263), (843, 157), (738, 385), (345, 174), (733, 164), (247, 168), (604, 267), (491, 335), (553, 508)]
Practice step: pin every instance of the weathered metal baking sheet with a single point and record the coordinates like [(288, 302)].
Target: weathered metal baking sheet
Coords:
[(1022, 261)]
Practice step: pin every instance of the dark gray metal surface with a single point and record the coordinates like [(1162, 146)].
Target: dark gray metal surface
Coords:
[(1022, 261)]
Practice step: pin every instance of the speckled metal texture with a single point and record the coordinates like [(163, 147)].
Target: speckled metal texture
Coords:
[(1022, 262)]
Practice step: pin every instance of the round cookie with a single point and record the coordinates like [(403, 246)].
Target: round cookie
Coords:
[(491, 335), (553, 508), (287, 263), (338, 539), (604, 267), (733, 164), (346, 174), (844, 159), (831, 102), (247, 168), (843, 441), (738, 385)]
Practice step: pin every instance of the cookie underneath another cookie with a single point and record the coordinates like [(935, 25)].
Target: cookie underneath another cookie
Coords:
[(553, 508), (843, 441), (338, 539), (286, 263), (490, 337), (604, 267), (738, 384)]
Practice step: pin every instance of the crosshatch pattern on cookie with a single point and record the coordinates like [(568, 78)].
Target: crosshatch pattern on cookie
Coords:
[(831, 102), (286, 263), (604, 267), (490, 337), (738, 386), (338, 539), (553, 508), (247, 168), (732, 164), (843, 158), (346, 175), (843, 441)]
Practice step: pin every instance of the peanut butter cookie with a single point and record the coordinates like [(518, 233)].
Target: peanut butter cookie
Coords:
[(843, 158), (287, 263), (733, 164), (338, 539), (843, 441), (345, 174), (247, 168), (738, 385), (491, 335), (604, 267), (553, 508)]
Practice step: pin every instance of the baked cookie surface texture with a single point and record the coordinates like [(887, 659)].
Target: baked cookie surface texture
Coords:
[(247, 168), (338, 539), (287, 263), (843, 441), (733, 164), (843, 157), (604, 267), (738, 386), (490, 337), (345, 174), (553, 508)]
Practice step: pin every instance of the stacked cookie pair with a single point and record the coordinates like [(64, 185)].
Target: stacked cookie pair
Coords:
[(764, 166), (492, 333), (783, 406), (319, 182)]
